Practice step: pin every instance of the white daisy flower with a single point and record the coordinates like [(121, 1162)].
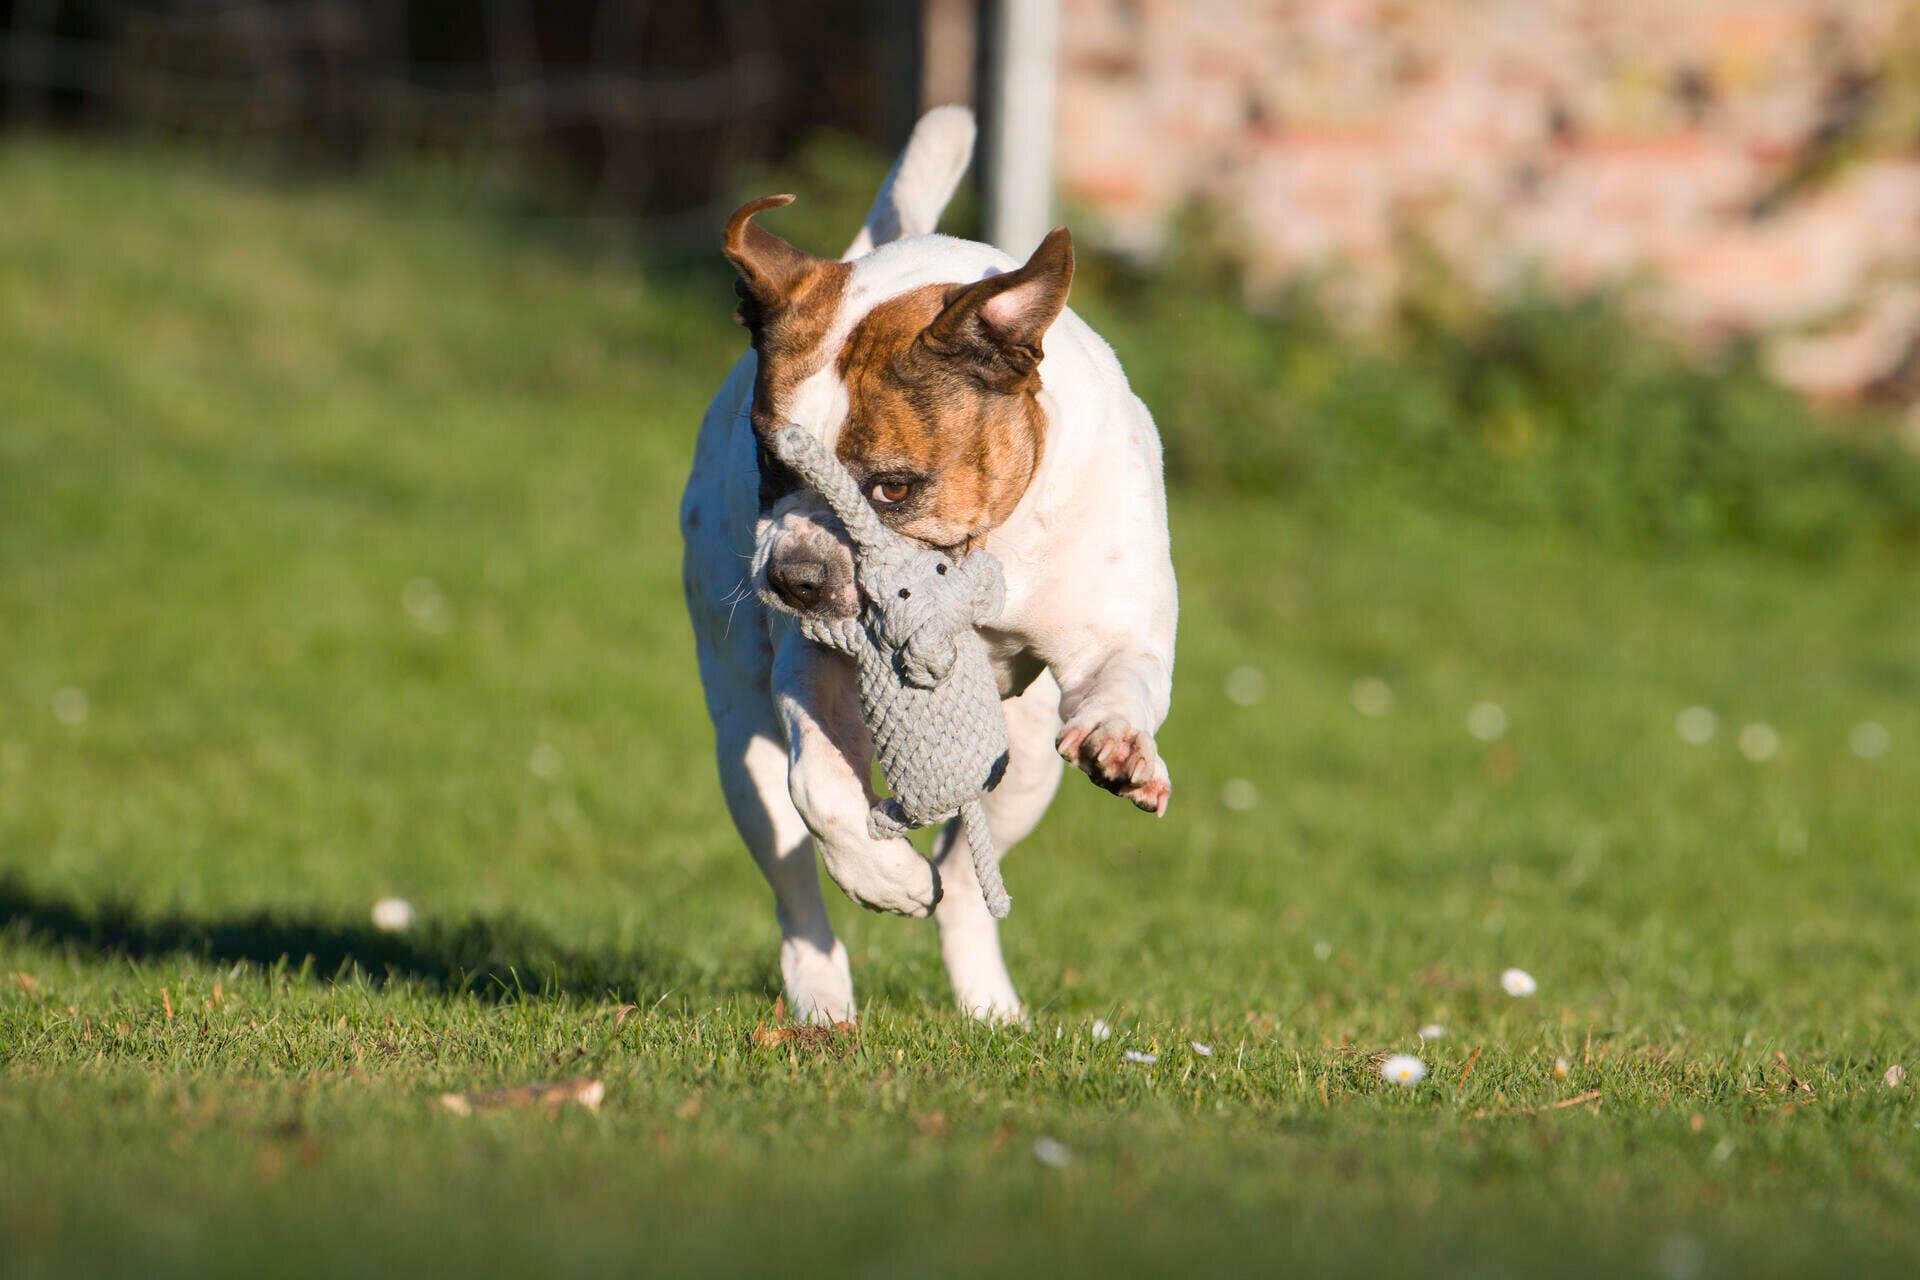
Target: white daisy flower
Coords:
[(1895, 1074), (1518, 982), (1404, 1068), (426, 604), (1052, 1152), (1204, 1050), (1870, 740), (1372, 697), (1487, 721), (69, 706), (1101, 1031), (1246, 686), (1696, 725), (1239, 795), (1759, 742), (1144, 1059), (393, 915), (1561, 1069), (1432, 1031)]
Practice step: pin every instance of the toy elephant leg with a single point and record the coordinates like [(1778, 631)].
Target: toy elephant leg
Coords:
[(986, 863)]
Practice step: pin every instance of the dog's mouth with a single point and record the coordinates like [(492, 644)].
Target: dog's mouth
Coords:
[(800, 588), (803, 564)]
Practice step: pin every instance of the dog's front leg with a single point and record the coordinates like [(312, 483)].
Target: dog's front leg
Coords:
[(829, 772), (1110, 706)]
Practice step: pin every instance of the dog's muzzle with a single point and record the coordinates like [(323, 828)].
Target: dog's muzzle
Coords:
[(805, 561)]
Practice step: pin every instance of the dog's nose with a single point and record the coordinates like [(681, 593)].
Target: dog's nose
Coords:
[(801, 583)]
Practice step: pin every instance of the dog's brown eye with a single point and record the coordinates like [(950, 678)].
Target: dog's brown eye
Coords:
[(890, 492)]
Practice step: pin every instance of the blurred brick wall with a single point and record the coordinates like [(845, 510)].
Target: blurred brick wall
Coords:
[(1757, 160)]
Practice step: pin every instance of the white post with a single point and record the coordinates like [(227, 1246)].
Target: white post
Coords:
[(1021, 73)]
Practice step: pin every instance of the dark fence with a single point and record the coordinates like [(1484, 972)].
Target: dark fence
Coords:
[(629, 108)]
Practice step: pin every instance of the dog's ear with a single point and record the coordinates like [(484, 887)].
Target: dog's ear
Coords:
[(772, 272), (994, 327)]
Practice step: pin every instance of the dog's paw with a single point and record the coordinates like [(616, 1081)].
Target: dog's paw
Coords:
[(884, 875), (995, 1008), (818, 984), (1121, 759)]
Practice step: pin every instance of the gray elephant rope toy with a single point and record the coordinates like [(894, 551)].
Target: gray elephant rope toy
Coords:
[(927, 693)]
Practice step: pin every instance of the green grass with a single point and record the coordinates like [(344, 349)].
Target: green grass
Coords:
[(338, 510)]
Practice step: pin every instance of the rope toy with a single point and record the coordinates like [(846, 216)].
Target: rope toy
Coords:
[(927, 693)]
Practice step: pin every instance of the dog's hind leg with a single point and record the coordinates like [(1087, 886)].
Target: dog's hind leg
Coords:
[(813, 962), (969, 935)]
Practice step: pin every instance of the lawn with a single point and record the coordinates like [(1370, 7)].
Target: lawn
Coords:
[(338, 561)]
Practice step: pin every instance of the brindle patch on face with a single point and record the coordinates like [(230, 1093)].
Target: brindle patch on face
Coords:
[(966, 450), (790, 343), (790, 347), (788, 302)]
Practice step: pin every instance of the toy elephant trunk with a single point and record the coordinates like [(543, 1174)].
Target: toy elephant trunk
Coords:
[(927, 690)]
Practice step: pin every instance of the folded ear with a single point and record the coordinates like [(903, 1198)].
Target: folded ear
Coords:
[(772, 272), (989, 587), (995, 327)]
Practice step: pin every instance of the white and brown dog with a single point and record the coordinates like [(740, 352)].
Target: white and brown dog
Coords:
[(919, 359)]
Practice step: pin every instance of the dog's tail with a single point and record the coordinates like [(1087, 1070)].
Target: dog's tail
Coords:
[(923, 180)]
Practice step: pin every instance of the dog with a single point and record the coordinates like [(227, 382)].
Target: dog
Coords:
[(977, 413)]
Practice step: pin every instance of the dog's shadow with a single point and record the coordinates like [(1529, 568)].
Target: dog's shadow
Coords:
[(494, 958)]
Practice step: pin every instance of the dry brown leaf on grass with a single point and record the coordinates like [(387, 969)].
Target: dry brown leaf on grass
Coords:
[(1467, 1070), (1793, 1077), (26, 982), (580, 1092), (1591, 1095), (803, 1037)]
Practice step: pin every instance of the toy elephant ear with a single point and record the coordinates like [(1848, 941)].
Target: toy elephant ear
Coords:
[(989, 587)]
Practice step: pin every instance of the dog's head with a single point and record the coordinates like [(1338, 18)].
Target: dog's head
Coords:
[(929, 391)]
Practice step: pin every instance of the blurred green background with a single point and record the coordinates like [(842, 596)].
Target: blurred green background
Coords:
[(338, 561)]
